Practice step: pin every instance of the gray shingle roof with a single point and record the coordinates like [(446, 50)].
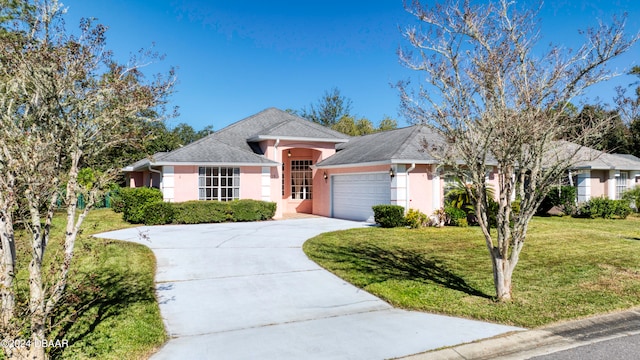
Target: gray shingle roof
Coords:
[(143, 163), (588, 158), (410, 144), (607, 161), (211, 150), (236, 143), (273, 123)]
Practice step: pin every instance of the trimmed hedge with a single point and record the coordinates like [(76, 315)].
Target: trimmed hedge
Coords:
[(202, 212), (389, 216), (158, 213), (134, 201), (252, 210)]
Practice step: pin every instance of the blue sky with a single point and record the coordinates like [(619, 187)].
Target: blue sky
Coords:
[(235, 58)]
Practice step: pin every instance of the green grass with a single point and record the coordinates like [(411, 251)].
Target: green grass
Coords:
[(110, 310), (569, 268)]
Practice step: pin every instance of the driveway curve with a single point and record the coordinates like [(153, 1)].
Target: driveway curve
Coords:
[(247, 291)]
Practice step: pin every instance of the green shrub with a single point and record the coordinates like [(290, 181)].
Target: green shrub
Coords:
[(389, 216), (134, 200), (604, 208), (561, 196), (252, 210), (416, 219), (158, 213), (116, 200), (454, 215), (633, 196), (201, 212)]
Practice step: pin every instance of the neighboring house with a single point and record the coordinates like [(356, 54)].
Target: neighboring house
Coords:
[(306, 168), (604, 175)]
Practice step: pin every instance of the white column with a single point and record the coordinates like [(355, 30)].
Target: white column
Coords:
[(399, 186), (168, 183), (436, 191), (611, 184), (266, 183), (584, 186)]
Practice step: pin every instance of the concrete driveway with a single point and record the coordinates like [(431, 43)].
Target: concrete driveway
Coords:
[(247, 291)]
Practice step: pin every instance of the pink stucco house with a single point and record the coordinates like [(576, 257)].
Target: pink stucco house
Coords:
[(307, 168)]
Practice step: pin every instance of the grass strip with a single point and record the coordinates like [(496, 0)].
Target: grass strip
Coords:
[(109, 310), (569, 268)]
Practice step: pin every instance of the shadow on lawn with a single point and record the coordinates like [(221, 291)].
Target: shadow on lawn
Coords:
[(399, 264), (94, 298)]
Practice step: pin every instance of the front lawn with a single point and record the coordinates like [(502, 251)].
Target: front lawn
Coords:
[(569, 268), (110, 310)]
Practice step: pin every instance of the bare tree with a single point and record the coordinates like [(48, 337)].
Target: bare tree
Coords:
[(499, 102), (63, 103), (628, 105)]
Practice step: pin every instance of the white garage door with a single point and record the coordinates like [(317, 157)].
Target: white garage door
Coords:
[(353, 195)]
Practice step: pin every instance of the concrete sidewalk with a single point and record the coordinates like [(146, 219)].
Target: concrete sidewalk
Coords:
[(546, 340), (247, 291)]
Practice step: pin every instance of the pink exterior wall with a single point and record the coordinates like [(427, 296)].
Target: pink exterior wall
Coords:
[(599, 187), (421, 189), (135, 179), (290, 205), (314, 151), (144, 178), (185, 183), (251, 182)]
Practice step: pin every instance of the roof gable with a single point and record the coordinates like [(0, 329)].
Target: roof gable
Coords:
[(274, 123), (237, 143), (408, 144)]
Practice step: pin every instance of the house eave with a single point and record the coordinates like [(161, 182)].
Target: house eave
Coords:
[(295, 138), (378, 163), (213, 163), (198, 163), (619, 168)]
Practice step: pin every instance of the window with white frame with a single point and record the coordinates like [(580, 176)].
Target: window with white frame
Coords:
[(621, 184), (218, 183), (301, 179)]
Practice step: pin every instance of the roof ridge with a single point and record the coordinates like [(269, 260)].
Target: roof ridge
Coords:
[(315, 125), (415, 130), (273, 127), (234, 124)]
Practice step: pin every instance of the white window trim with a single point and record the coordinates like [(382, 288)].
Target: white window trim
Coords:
[(235, 175), (305, 189), (622, 183)]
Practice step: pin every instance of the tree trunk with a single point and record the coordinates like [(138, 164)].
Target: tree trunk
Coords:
[(502, 271), (36, 301), (7, 272), (36, 289)]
